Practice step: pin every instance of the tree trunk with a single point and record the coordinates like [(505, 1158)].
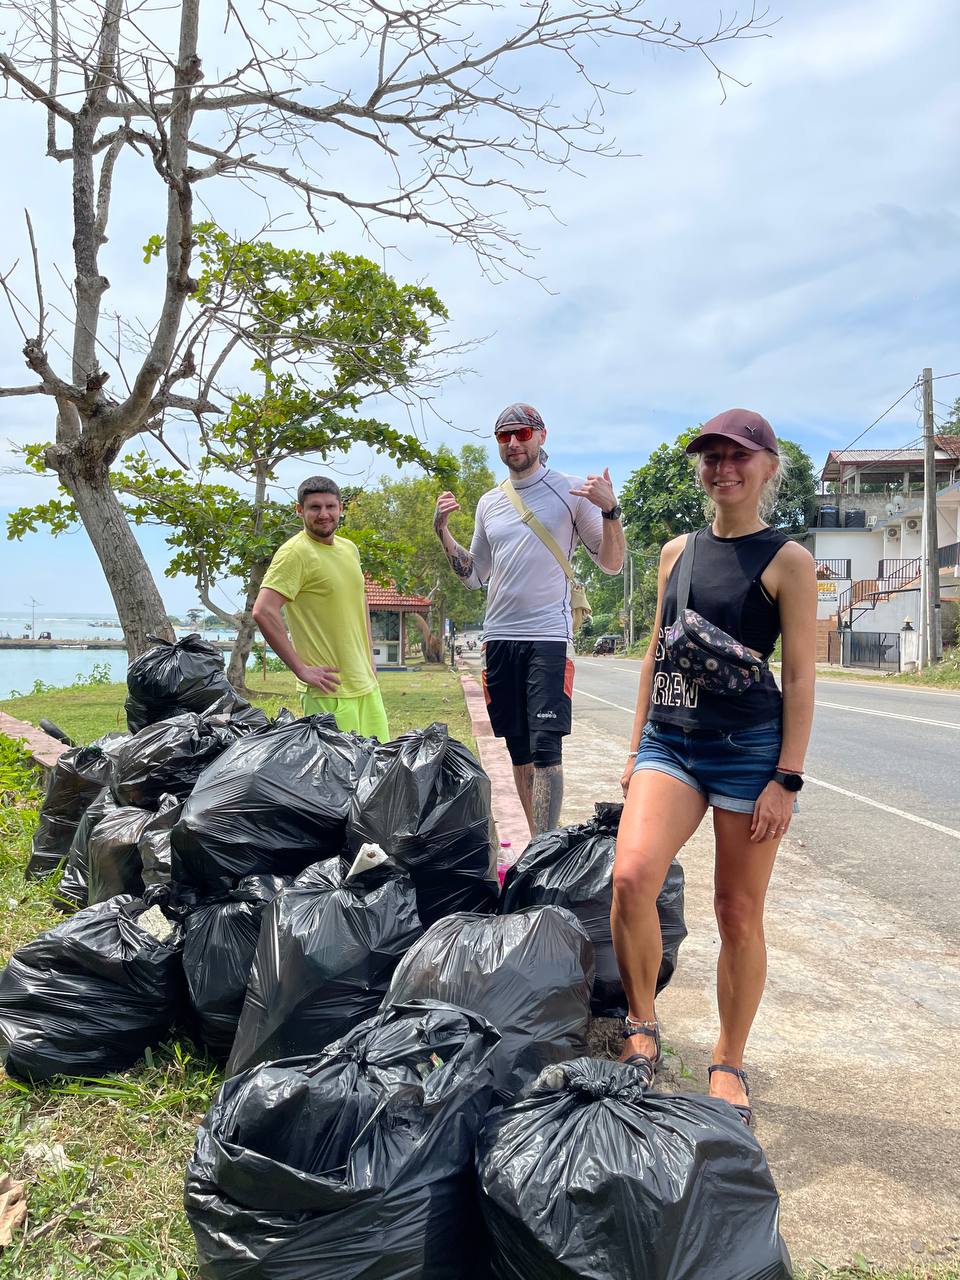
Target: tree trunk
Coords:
[(246, 630), (139, 606), (432, 645)]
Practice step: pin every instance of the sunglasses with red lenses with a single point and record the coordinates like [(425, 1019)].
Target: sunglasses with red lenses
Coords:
[(523, 434)]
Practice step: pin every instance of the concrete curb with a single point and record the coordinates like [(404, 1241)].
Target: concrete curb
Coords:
[(46, 751), (508, 815)]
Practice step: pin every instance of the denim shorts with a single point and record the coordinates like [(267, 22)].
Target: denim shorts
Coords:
[(729, 767)]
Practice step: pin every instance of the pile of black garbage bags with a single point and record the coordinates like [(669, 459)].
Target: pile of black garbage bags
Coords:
[(408, 1094)]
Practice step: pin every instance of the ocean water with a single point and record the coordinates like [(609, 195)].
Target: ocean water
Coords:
[(21, 668)]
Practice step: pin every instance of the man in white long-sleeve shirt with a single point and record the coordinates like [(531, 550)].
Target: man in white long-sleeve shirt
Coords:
[(528, 631)]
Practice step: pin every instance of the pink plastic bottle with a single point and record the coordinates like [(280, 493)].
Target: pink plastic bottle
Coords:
[(505, 860)]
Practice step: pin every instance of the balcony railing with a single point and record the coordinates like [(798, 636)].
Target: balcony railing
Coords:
[(949, 557), (894, 575), (830, 570)]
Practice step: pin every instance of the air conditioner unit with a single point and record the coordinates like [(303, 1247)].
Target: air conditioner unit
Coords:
[(893, 534), (913, 524)]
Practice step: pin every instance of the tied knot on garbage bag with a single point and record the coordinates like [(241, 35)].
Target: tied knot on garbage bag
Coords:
[(594, 1083), (597, 1179)]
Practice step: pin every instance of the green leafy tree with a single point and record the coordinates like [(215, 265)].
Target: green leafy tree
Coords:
[(951, 424), (402, 511), (323, 332)]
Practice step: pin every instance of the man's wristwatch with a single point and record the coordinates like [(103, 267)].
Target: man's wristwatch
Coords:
[(612, 514), (789, 781)]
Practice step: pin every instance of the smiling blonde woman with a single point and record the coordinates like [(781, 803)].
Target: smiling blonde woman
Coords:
[(712, 729)]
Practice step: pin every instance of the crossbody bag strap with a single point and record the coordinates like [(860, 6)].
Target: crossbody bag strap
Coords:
[(531, 521), (686, 571)]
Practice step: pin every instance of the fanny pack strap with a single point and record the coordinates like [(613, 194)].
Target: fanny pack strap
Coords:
[(531, 521), (686, 571)]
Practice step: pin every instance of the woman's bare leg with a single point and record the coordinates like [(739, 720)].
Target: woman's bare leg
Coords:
[(660, 815), (741, 875)]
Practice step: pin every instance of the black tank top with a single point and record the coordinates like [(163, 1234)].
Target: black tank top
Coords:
[(726, 590)]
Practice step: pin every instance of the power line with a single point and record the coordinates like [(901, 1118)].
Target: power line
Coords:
[(912, 387)]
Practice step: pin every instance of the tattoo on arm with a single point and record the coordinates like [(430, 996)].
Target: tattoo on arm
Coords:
[(461, 562)]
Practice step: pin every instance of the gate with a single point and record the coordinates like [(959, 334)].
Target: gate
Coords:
[(879, 650)]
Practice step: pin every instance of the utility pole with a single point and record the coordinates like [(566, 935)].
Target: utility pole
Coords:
[(930, 641), (33, 618)]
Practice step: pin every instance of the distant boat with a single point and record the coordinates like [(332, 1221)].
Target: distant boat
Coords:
[(72, 644)]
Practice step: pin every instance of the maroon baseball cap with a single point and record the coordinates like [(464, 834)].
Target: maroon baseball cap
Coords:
[(741, 425)]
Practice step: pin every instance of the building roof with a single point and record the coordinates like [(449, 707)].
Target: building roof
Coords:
[(379, 597), (946, 450)]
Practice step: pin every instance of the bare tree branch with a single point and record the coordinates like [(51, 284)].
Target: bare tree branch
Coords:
[(35, 390)]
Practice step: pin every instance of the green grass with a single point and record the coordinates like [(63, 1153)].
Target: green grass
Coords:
[(413, 699)]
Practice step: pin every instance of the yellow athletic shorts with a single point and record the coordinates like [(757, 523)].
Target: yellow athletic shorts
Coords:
[(364, 715)]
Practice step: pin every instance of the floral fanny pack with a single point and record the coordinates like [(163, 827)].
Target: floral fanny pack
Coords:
[(704, 653)]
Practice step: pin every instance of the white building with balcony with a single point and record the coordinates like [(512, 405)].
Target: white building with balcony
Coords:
[(868, 544)]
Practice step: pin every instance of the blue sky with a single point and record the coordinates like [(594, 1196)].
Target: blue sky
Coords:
[(792, 250)]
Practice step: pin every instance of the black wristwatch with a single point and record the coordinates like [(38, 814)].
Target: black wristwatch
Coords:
[(612, 514), (790, 781)]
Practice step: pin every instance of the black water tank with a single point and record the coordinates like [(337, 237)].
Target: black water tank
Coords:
[(855, 520), (829, 517)]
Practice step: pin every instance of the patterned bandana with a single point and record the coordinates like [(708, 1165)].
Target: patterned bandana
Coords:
[(524, 415)]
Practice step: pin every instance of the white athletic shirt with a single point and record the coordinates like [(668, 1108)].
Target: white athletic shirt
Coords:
[(528, 595)]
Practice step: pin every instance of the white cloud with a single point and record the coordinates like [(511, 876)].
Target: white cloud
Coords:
[(792, 249)]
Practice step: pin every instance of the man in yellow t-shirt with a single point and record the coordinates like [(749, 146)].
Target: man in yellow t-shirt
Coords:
[(316, 580)]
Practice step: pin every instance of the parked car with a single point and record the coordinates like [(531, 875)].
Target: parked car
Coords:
[(606, 644)]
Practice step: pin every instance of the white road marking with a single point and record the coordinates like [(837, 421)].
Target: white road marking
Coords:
[(887, 808), (891, 715), (596, 697), (830, 786)]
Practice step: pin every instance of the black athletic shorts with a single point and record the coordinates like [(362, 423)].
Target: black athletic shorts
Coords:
[(528, 687)]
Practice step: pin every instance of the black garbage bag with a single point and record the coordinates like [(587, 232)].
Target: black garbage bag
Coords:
[(425, 801), (272, 804), (528, 974), (73, 784), (113, 854), (220, 939), (90, 995), (72, 889), (352, 1164), (591, 1177), (172, 678), (240, 716), (573, 868), (154, 843), (167, 757), (326, 952)]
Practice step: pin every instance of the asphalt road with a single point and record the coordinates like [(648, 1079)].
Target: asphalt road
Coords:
[(881, 808)]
